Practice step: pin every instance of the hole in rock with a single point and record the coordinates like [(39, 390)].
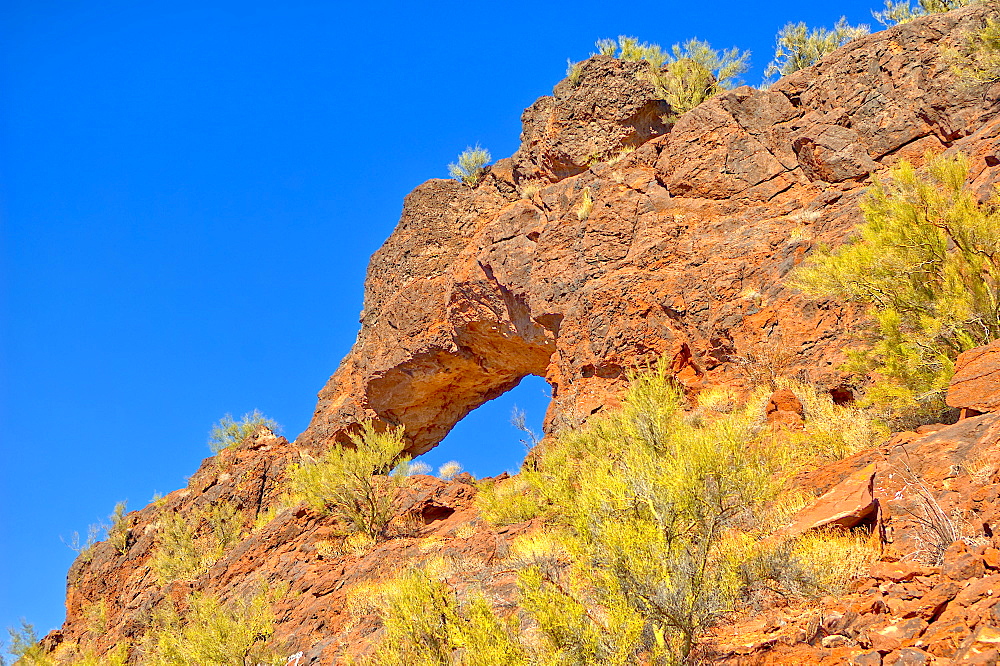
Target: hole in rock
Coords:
[(484, 442), (842, 395), (433, 512)]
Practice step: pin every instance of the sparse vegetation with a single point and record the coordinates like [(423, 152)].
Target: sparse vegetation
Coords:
[(586, 204), (926, 263), (976, 57), (24, 646), (357, 484), (798, 47), (901, 11), (574, 72), (210, 632), (425, 624), (448, 470), (656, 521), (187, 546), (228, 432), (119, 532), (471, 165), (685, 76)]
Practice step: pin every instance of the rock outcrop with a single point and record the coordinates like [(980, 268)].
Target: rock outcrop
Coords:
[(976, 384), (693, 226), (682, 254)]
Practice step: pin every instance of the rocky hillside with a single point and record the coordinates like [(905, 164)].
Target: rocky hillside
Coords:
[(693, 225)]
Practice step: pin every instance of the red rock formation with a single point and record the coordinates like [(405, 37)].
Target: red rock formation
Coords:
[(682, 255), (976, 384)]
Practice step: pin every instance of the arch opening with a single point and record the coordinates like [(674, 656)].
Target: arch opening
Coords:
[(485, 442)]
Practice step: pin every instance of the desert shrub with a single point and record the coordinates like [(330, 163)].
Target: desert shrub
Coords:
[(685, 76), (506, 502), (187, 546), (798, 47), (357, 484), (655, 523), (976, 56), (586, 204), (574, 72), (448, 470), (24, 646), (425, 624), (695, 72), (228, 432), (212, 633), (831, 431), (926, 263), (471, 165), (84, 547), (118, 531), (664, 516), (901, 11)]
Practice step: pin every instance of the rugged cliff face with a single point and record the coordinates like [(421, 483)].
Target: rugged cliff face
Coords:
[(692, 228), (682, 254)]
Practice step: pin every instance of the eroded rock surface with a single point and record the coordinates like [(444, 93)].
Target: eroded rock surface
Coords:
[(682, 255), (976, 384)]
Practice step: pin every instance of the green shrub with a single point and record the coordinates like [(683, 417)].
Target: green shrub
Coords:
[(574, 71), (798, 47), (426, 625), (687, 75), (926, 263), (357, 484), (24, 646), (506, 502), (471, 165), (211, 633), (901, 11), (976, 56), (118, 531), (696, 72), (657, 523), (187, 546), (663, 512), (228, 432)]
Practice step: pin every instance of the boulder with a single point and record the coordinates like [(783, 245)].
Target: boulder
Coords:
[(976, 384), (848, 504)]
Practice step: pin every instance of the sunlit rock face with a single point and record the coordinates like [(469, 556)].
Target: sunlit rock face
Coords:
[(682, 254)]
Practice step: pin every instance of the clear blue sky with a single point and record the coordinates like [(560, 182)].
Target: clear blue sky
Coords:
[(190, 192)]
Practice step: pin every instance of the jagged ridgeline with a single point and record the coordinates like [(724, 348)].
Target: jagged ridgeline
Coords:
[(768, 318)]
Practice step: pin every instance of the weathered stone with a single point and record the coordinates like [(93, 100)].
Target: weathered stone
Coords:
[(981, 647), (848, 504), (897, 634), (907, 657), (960, 563), (784, 408), (976, 382)]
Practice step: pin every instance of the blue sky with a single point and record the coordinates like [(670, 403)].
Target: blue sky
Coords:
[(190, 192)]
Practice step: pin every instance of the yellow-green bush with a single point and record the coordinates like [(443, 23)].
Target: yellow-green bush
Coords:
[(471, 165), (685, 76), (228, 432), (357, 484), (25, 647), (425, 624), (506, 502), (901, 11), (211, 633), (976, 56), (926, 263), (658, 523), (187, 546), (798, 47)]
